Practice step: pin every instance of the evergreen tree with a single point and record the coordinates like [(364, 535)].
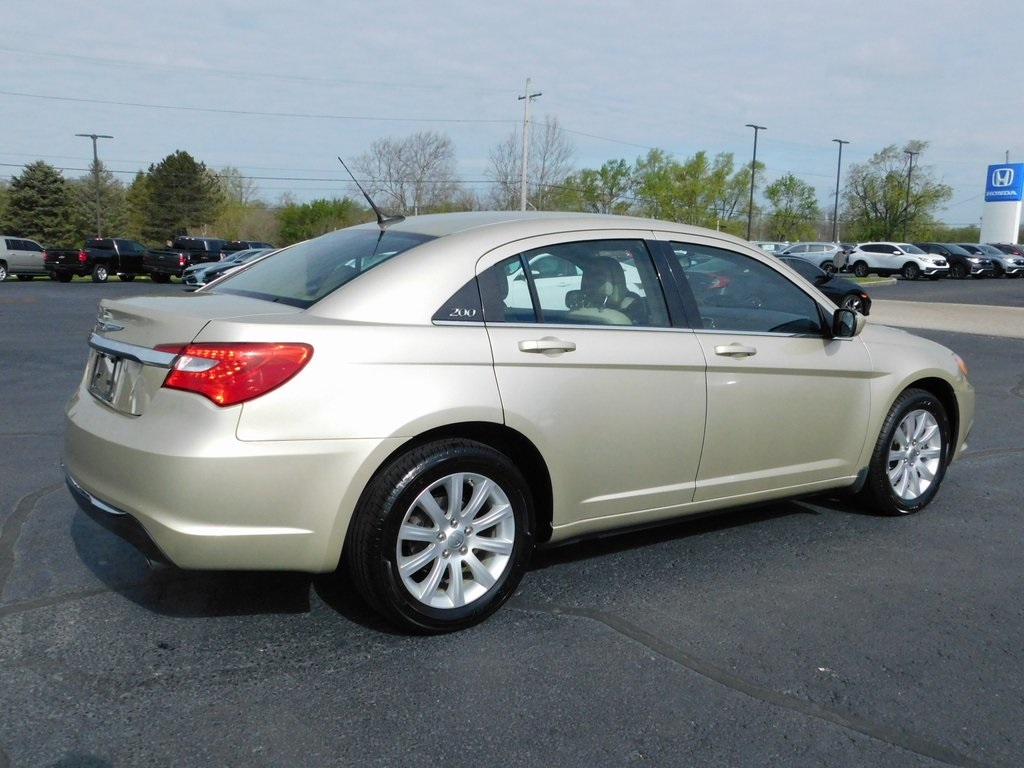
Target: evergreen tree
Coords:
[(39, 205), (182, 196)]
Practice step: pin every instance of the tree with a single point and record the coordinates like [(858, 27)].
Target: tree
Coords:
[(877, 194), (236, 187), (607, 189), (548, 163), (110, 193), (794, 209), (301, 222), (700, 191), (412, 176), (39, 205), (182, 197)]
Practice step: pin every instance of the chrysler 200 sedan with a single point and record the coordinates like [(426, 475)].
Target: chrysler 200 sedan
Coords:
[(401, 400)]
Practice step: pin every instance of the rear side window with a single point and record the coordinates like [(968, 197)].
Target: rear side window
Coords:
[(306, 272)]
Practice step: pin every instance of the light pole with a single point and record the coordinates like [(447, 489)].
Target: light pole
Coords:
[(835, 210), (753, 171), (96, 172), (526, 141), (906, 210)]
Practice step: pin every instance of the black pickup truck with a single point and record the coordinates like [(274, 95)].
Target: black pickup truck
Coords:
[(163, 264), (99, 257)]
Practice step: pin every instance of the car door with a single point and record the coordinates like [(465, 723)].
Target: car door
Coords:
[(786, 404), (616, 410)]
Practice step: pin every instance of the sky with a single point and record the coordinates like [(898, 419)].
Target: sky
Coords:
[(279, 90)]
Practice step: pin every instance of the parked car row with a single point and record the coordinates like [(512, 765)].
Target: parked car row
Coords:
[(908, 260), (102, 257)]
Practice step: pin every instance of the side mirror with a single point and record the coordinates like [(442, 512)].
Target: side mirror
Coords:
[(847, 323)]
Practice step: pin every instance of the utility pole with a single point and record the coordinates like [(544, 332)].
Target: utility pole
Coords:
[(753, 171), (835, 210), (96, 173), (527, 98), (910, 170)]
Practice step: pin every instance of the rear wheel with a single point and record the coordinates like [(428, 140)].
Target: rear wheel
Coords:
[(910, 457), (441, 536), (911, 271), (100, 273)]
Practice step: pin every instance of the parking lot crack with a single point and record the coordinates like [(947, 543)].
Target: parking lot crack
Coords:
[(11, 530), (884, 733)]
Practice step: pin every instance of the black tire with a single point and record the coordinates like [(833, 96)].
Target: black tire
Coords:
[(910, 456), (860, 269), (64, 277), (430, 561), (125, 278), (958, 271), (910, 271), (100, 273), (853, 301), (25, 278), (828, 268), (160, 277)]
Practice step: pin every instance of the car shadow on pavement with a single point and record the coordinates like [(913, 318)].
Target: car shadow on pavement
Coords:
[(173, 592), (623, 541)]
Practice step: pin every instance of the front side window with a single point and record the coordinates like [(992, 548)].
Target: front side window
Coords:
[(595, 282), (734, 292)]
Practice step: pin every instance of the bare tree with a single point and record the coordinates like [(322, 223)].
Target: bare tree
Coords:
[(414, 175), (548, 164)]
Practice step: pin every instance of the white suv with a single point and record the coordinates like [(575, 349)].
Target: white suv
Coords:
[(902, 259), (20, 256)]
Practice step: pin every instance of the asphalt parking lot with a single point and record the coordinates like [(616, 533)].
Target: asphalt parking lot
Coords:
[(797, 634)]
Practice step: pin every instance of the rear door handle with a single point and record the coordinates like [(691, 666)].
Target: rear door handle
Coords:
[(735, 350), (547, 346)]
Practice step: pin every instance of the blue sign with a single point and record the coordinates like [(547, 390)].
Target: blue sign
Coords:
[(1005, 183)]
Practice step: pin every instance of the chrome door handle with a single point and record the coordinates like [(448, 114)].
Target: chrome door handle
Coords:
[(547, 346), (735, 350)]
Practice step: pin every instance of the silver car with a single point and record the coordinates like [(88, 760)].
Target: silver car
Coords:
[(389, 399), (828, 257)]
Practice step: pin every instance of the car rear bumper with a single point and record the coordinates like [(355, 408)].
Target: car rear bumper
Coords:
[(206, 500)]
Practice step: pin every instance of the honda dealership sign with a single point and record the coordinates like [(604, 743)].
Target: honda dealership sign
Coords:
[(1004, 191)]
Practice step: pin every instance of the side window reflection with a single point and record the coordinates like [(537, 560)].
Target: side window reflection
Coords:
[(734, 292), (599, 282)]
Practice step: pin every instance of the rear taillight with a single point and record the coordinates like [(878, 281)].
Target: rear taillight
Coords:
[(232, 373), (83, 256)]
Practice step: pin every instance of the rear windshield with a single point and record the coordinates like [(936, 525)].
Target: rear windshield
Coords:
[(306, 272)]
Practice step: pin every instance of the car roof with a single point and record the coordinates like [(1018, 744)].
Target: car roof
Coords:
[(444, 224)]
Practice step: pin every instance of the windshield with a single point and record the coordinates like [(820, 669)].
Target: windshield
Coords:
[(306, 272)]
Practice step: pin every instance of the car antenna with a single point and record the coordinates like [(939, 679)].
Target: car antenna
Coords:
[(382, 221)]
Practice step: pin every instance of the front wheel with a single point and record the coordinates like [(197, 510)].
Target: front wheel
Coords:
[(958, 271), (100, 273), (860, 269), (441, 536), (911, 271), (910, 457)]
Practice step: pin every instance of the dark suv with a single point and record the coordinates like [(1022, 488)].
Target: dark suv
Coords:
[(961, 263)]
